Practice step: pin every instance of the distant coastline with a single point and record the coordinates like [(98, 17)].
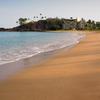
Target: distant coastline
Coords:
[(53, 24)]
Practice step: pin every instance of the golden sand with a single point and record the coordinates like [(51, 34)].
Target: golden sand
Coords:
[(70, 75)]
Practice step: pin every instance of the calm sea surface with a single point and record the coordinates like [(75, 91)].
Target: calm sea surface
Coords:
[(19, 45)]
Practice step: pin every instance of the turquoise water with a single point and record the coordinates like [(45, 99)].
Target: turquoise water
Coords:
[(19, 45)]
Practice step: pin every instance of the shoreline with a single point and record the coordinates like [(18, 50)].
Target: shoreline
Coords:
[(12, 68), (29, 56), (9, 68), (72, 75)]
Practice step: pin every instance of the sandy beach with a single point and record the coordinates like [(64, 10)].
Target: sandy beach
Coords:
[(69, 75)]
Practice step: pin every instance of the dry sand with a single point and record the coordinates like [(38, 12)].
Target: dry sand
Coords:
[(72, 75)]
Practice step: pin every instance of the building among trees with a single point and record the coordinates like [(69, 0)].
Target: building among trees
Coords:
[(55, 24)]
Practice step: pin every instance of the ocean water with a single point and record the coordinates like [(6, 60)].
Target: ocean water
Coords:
[(19, 45)]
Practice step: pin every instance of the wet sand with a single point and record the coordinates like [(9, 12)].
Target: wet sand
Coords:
[(70, 75)]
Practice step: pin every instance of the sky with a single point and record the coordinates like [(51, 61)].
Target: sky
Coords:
[(12, 10)]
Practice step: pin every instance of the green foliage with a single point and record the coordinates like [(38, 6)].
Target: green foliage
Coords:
[(98, 25), (54, 24), (58, 24), (90, 25), (22, 21)]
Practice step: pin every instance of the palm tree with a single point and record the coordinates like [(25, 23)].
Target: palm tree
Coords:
[(22, 21), (42, 17), (40, 14)]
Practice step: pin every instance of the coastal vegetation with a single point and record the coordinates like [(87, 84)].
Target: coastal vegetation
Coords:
[(41, 23), (22, 21)]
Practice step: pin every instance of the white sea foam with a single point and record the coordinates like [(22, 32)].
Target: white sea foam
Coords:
[(16, 53)]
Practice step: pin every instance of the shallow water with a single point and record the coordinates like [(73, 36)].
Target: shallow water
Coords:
[(20, 50), (18, 45)]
